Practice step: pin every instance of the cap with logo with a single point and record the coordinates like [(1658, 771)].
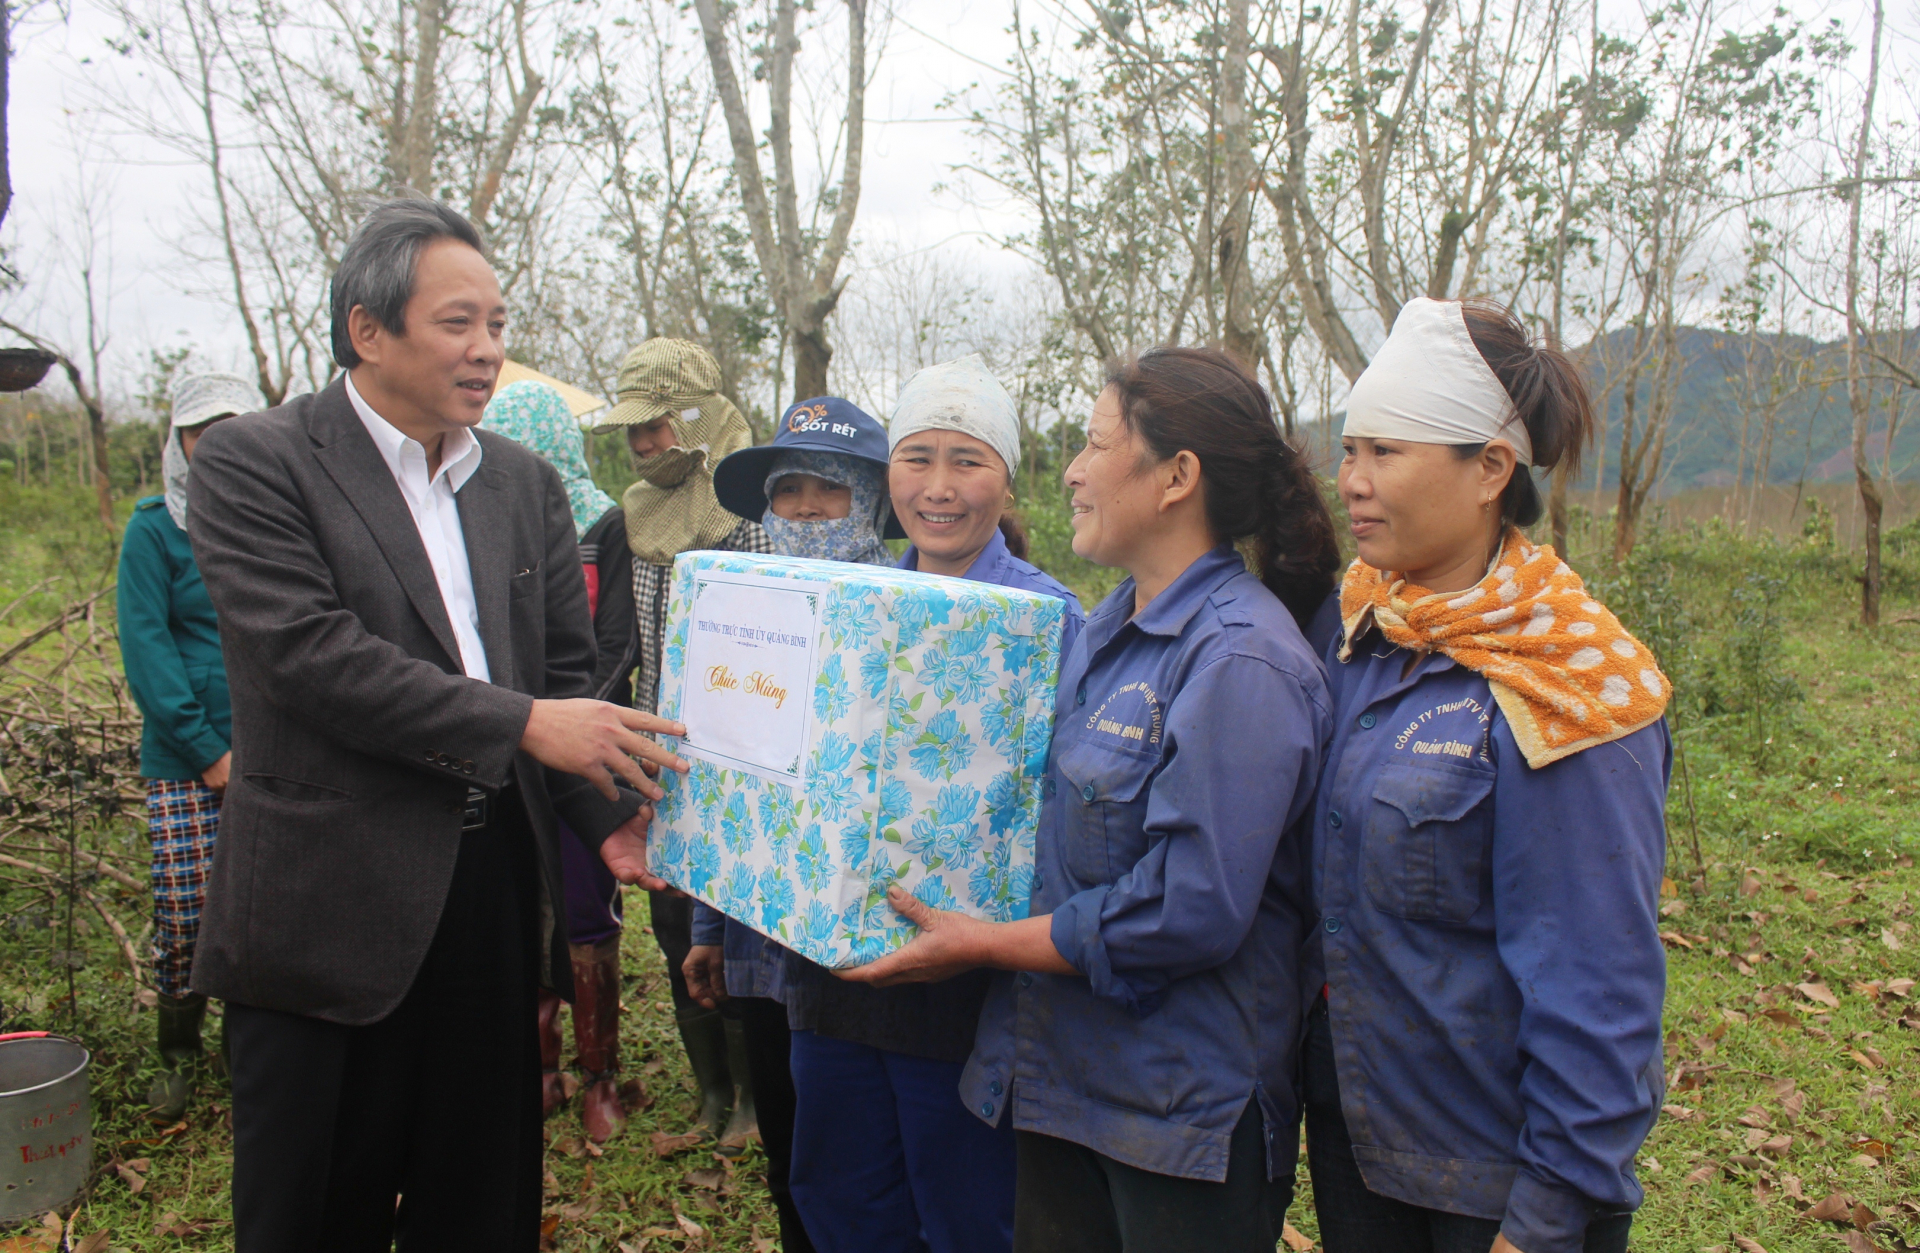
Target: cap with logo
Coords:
[(823, 424)]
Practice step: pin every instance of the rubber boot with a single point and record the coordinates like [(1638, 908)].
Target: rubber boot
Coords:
[(745, 1123), (179, 1031), (705, 1035), (553, 1092), (596, 1036)]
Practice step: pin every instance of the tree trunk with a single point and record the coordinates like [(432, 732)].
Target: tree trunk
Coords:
[(1859, 392), (423, 111), (1241, 331), (97, 432), (811, 353), (6, 55)]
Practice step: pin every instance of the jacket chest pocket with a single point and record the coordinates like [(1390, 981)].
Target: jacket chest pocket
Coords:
[(1104, 793), (1426, 841)]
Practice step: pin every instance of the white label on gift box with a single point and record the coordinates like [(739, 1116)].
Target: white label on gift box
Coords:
[(752, 654)]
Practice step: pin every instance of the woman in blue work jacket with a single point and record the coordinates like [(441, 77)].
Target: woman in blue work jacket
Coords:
[(1145, 1052), (1485, 979)]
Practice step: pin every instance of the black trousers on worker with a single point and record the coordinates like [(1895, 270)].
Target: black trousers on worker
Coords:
[(437, 1105), (1356, 1219), (1069, 1199)]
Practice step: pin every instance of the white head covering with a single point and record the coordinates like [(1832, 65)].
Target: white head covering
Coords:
[(1428, 384), (201, 398), (198, 399), (959, 396)]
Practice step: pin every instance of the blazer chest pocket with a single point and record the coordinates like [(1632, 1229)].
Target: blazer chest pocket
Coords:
[(1104, 791), (527, 582), (1426, 842)]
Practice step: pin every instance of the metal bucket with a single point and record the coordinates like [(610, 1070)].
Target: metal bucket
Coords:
[(46, 1123)]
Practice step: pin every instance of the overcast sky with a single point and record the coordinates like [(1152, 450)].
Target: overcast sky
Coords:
[(933, 48)]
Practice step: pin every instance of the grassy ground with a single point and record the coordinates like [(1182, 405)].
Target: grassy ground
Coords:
[(1793, 1024)]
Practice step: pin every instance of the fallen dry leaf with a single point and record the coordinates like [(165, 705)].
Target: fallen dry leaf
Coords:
[(1872, 1148), (694, 1231), (1749, 1246), (136, 1184), (1858, 1242), (1680, 1112), (1777, 1145), (1756, 1116), (1750, 884), (95, 1243), (1863, 1059), (1863, 1217), (1700, 1174), (1793, 1103), (1836, 1208), (1888, 938), (1299, 1243), (665, 1145), (1791, 1185), (710, 1179), (765, 1244), (1899, 987), (1818, 993), (1864, 1160)]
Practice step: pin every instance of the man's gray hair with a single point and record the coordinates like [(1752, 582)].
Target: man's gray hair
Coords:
[(381, 261)]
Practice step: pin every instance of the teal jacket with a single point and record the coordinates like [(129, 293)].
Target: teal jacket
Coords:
[(170, 646)]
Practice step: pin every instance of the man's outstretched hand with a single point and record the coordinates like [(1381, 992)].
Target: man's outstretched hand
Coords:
[(596, 741), (625, 852)]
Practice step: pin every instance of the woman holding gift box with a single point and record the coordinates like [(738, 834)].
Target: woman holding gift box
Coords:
[(886, 1158), (820, 490), (1145, 1053), (1483, 1047)]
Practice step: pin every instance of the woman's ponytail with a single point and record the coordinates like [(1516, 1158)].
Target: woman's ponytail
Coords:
[(1548, 391), (1257, 486)]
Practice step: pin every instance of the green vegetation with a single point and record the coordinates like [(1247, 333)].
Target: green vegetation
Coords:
[(1793, 1024)]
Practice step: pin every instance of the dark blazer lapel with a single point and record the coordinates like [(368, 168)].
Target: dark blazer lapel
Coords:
[(486, 519), (353, 461)]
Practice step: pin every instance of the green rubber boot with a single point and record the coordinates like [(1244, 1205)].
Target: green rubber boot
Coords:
[(745, 1122), (704, 1033), (180, 1018)]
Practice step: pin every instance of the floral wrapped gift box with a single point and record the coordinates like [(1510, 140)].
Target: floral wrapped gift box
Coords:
[(852, 727)]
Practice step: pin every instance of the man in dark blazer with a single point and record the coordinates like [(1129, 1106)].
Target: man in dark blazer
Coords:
[(405, 628)]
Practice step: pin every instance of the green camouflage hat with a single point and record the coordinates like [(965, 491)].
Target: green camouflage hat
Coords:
[(663, 377)]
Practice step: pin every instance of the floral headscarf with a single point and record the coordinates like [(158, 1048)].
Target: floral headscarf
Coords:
[(536, 417), (854, 538)]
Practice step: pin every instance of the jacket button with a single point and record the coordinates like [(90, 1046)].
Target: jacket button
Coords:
[(1036, 883), (467, 766), (1050, 787), (986, 1109), (1333, 926), (1367, 721), (994, 1087), (1334, 819), (429, 754), (1086, 793), (1081, 697), (1026, 981)]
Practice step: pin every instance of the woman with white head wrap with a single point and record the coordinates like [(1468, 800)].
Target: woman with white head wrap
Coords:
[(955, 437), (1492, 806), (170, 648)]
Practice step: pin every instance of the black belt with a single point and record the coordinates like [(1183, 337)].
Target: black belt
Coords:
[(483, 807)]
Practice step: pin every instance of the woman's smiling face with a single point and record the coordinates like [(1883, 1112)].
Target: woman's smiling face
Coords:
[(949, 490), (1114, 504)]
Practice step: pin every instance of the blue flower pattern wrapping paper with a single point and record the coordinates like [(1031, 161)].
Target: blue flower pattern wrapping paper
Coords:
[(931, 712)]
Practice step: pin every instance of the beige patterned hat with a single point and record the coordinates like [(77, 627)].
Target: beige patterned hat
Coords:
[(662, 377)]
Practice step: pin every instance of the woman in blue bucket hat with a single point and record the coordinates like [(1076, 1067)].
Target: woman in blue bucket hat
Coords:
[(820, 490)]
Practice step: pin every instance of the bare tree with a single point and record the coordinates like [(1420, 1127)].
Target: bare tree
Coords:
[(1859, 396), (802, 269)]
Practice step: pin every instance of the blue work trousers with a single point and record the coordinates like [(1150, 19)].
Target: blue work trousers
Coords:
[(887, 1160)]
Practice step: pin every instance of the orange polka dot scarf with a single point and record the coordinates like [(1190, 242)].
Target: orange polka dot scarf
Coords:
[(1565, 672)]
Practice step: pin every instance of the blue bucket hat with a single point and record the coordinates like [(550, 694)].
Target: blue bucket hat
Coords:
[(824, 424)]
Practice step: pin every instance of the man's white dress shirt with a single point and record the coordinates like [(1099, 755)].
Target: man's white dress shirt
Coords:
[(436, 515)]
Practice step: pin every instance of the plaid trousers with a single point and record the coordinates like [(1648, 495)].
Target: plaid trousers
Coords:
[(183, 816)]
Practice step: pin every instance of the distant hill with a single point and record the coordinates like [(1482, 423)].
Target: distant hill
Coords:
[(1813, 429)]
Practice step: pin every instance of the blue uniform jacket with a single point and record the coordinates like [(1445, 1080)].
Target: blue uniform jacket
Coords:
[(170, 648), (1490, 939), (1172, 857), (756, 965)]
